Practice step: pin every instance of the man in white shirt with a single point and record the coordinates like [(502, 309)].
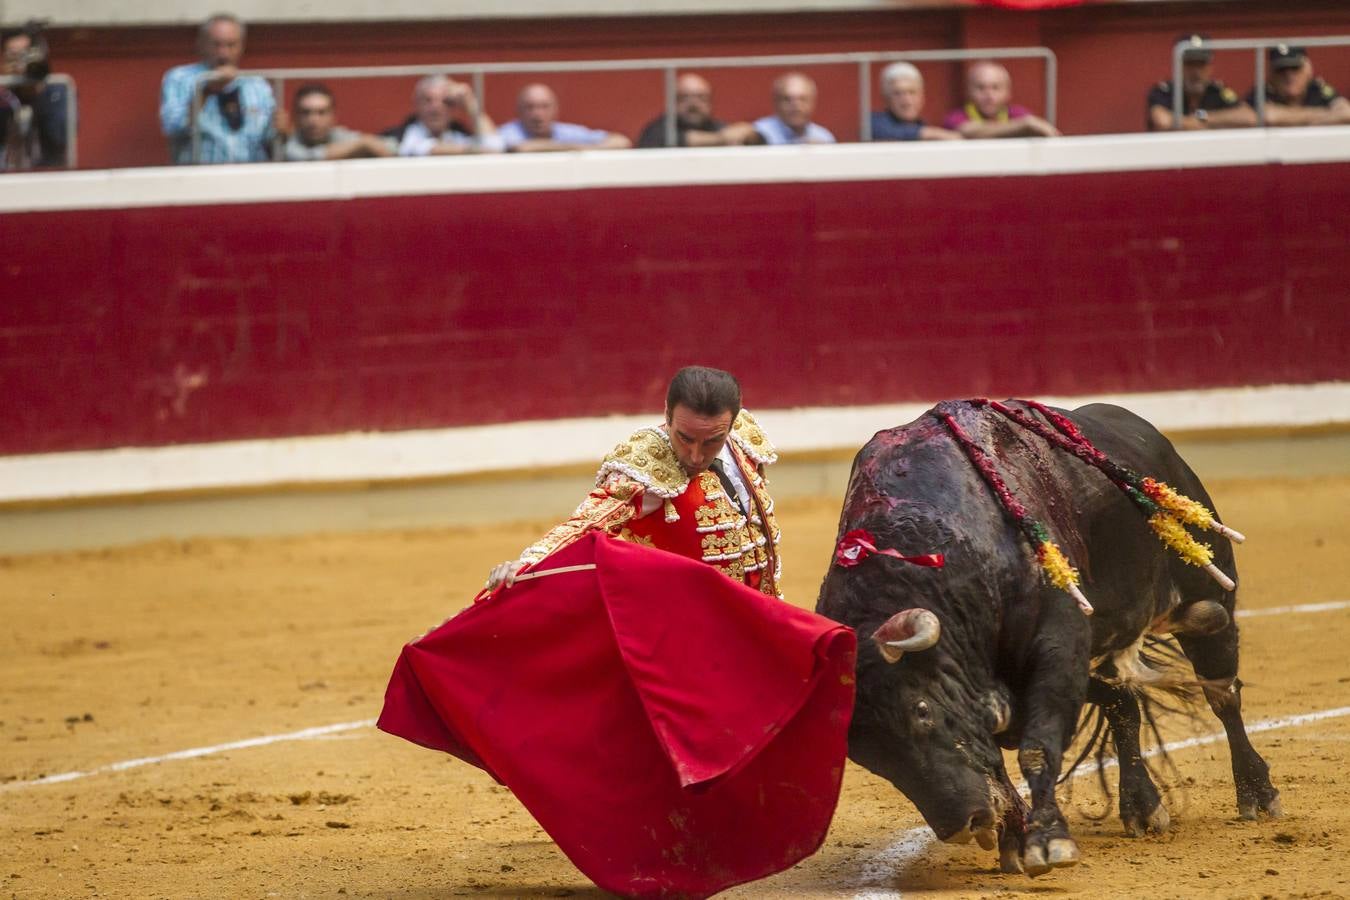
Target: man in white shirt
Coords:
[(447, 120), (794, 102), (536, 128)]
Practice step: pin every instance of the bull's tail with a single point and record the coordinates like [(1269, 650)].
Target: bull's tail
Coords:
[(1092, 737), (1154, 666), (1158, 676)]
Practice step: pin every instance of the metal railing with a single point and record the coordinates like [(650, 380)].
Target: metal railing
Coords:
[(72, 110), (1260, 45), (478, 73)]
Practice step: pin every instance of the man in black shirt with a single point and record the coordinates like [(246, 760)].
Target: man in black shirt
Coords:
[(694, 122), (1206, 103), (1295, 97)]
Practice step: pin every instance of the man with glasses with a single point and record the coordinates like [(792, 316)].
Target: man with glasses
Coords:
[(694, 122), (317, 135)]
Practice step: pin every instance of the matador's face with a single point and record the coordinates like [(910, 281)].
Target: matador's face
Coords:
[(697, 439)]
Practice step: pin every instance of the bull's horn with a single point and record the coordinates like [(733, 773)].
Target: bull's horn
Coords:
[(925, 631), (908, 631)]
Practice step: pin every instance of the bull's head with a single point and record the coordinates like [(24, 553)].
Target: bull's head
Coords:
[(914, 630), (931, 728)]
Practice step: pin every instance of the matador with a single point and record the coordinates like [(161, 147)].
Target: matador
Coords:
[(693, 486)]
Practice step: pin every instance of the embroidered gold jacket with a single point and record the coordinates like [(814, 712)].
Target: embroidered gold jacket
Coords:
[(696, 518)]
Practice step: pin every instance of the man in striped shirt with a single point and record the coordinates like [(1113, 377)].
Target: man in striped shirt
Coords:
[(235, 122)]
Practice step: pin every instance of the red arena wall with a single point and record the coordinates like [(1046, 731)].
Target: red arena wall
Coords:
[(193, 323)]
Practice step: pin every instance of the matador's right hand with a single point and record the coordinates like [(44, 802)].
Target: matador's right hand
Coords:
[(505, 573)]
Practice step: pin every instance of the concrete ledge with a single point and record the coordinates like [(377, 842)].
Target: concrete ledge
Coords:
[(443, 454), (583, 170), (539, 498)]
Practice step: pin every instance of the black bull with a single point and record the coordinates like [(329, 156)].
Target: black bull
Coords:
[(993, 655)]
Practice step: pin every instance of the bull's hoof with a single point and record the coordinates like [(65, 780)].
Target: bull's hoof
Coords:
[(1010, 861), (1270, 808), (1157, 822), (1034, 862), (1063, 852)]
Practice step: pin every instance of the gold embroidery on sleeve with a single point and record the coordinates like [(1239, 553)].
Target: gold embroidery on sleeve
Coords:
[(606, 508)]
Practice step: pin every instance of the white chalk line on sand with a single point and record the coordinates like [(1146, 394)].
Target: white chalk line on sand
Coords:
[(304, 734), (1329, 606), (322, 730)]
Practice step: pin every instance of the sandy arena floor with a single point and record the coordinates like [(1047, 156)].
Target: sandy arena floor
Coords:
[(126, 654)]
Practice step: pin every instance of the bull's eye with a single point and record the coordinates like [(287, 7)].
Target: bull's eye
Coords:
[(923, 712)]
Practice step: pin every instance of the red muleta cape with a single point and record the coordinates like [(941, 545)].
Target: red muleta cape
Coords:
[(675, 732)]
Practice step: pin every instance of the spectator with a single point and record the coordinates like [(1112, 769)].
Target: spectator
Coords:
[(538, 130), (794, 102), (694, 122), (446, 120), (235, 123), (318, 136), (1295, 97), (902, 119), (1206, 103), (33, 111), (989, 111)]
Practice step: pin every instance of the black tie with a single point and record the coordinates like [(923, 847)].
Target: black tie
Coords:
[(722, 476)]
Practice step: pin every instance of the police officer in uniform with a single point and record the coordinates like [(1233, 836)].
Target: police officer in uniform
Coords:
[(1294, 96), (1207, 103)]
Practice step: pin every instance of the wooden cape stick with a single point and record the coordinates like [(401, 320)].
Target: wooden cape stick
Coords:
[(557, 571)]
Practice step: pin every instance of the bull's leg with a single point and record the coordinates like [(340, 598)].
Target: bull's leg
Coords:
[(1141, 807), (1054, 696), (1215, 658)]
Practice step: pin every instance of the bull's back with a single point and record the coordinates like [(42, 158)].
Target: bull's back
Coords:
[(1132, 441)]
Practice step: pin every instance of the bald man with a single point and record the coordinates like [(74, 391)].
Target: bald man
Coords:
[(694, 122), (794, 103), (989, 112), (537, 129)]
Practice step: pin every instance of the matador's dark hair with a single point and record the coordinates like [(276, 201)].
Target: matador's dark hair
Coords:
[(708, 392)]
